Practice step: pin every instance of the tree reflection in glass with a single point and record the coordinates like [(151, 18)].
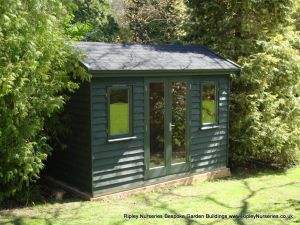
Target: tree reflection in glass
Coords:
[(156, 107), (179, 90)]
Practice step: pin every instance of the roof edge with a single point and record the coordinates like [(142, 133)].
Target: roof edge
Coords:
[(157, 73), (219, 55)]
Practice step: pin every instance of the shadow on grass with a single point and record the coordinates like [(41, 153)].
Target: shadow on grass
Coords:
[(52, 217), (242, 210), (19, 220), (244, 173), (39, 193), (164, 206)]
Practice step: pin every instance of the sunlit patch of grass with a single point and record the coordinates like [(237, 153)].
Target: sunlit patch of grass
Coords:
[(265, 192)]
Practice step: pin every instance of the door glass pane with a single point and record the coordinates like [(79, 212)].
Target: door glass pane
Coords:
[(178, 126), (209, 106), (156, 107), (118, 112)]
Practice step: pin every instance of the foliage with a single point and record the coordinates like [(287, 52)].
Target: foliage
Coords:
[(260, 36), (155, 21), (36, 68), (296, 16), (233, 27), (92, 20), (265, 113)]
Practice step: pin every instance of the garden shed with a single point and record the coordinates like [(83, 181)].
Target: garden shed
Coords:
[(150, 114)]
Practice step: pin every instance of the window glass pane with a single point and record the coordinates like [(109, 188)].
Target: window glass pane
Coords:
[(157, 120), (209, 106), (119, 112), (179, 92)]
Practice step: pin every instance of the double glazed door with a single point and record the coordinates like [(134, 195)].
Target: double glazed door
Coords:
[(166, 113)]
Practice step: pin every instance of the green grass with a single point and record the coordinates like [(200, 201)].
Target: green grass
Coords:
[(266, 192), (119, 118), (208, 111)]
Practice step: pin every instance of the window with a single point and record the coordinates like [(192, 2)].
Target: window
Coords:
[(209, 104), (119, 110)]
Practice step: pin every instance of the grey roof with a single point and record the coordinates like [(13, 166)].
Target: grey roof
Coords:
[(115, 57)]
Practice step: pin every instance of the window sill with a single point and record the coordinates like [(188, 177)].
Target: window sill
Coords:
[(208, 127), (122, 139)]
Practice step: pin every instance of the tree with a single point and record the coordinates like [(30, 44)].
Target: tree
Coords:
[(92, 20), (233, 27), (153, 21), (260, 36), (265, 112), (296, 17), (37, 69)]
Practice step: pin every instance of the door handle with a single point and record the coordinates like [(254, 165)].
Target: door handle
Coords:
[(171, 126)]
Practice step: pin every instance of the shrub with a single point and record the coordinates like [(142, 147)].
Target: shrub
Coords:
[(36, 68), (265, 112)]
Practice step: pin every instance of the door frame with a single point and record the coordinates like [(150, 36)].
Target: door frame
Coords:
[(168, 169)]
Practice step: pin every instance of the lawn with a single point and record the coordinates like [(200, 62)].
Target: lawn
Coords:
[(266, 192)]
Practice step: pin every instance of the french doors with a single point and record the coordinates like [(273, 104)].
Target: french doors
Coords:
[(166, 128)]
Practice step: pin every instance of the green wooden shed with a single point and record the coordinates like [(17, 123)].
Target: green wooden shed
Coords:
[(151, 114)]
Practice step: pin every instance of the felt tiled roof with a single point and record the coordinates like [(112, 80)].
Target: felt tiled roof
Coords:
[(118, 57)]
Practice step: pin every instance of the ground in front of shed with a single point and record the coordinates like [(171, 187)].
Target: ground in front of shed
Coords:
[(248, 192)]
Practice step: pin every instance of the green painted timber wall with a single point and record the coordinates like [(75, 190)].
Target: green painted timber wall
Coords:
[(73, 165), (209, 146), (116, 165), (120, 165)]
